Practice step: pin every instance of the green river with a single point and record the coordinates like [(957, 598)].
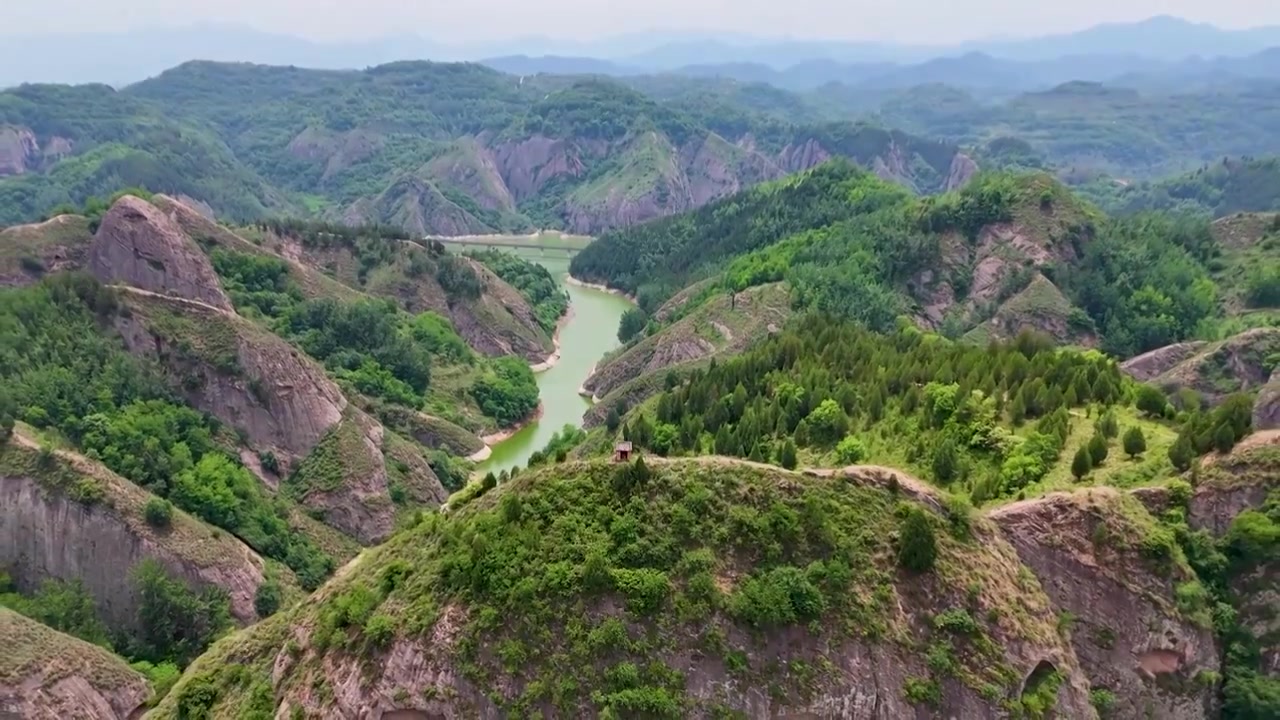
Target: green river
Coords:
[(591, 332)]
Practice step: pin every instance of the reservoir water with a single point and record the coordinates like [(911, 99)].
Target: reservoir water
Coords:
[(591, 332)]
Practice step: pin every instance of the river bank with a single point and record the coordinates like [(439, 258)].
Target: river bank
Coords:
[(554, 357), (571, 280)]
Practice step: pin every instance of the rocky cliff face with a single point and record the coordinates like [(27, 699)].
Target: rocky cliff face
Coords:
[(244, 376), (528, 165), (46, 675), (281, 401), (417, 206), (1087, 551), (71, 519), (962, 170), (596, 185), (138, 245), (472, 169), (19, 150), (345, 479)]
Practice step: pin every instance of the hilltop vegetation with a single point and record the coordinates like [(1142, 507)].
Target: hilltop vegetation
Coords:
[(991, 422), (572, 591)]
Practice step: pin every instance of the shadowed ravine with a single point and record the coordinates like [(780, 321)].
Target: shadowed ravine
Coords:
[(585, 338)]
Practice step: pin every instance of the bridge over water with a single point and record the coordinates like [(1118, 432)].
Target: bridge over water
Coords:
[(506, 243)]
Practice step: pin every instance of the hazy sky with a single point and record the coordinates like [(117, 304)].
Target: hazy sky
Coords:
[(922, 21)]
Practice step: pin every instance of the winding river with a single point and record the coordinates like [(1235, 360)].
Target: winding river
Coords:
[(591, 332)]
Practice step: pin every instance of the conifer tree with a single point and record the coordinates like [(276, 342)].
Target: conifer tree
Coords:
[(1082, 463), (917, 544), (787, 454), (1181, 453), (1134, 442), (1098, 450)]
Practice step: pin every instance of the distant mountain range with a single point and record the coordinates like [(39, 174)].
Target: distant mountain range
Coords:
[(1156, 45), (971, 71)]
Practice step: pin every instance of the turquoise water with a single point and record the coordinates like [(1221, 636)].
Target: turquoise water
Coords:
[(589, 334)]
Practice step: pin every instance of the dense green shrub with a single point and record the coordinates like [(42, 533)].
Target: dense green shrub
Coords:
[(917, 545), (158, 512)]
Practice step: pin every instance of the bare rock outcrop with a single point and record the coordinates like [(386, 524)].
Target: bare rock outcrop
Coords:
[(471, 168), (963, 168), (1086, 550), (528, 165), (282, 403), (345, 479), (19, 150), (48, 675), (1150, 365), (138, 245), (1266, 407), (70, 518), (802, 156), (1242, 362), (416, 205)]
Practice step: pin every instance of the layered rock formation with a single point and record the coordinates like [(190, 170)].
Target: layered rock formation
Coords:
[(1087, 551), (19, 150), (723, 324), (139, 246)]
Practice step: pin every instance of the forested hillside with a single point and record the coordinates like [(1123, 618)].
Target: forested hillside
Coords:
[(1086, 128), (1229, 185), (428, 148), (850, 245)]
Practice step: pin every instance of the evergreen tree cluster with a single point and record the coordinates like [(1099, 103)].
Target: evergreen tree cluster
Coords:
[(990, 420)]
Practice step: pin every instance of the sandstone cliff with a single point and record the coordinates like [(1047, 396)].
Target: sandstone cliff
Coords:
[(1047, 226), (1241, 362), (281, 402), (246, 377), (46, 675), (69, 518), (1091, 552), (417, 206), (139, 246), (19, 150)]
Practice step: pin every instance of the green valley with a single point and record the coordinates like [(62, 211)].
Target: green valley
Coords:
[(429, 391)]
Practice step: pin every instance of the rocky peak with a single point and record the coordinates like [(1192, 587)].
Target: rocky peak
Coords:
[(19, 150), (140, 246)]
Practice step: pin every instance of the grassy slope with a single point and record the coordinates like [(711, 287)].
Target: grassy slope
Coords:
[(34, 650)]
